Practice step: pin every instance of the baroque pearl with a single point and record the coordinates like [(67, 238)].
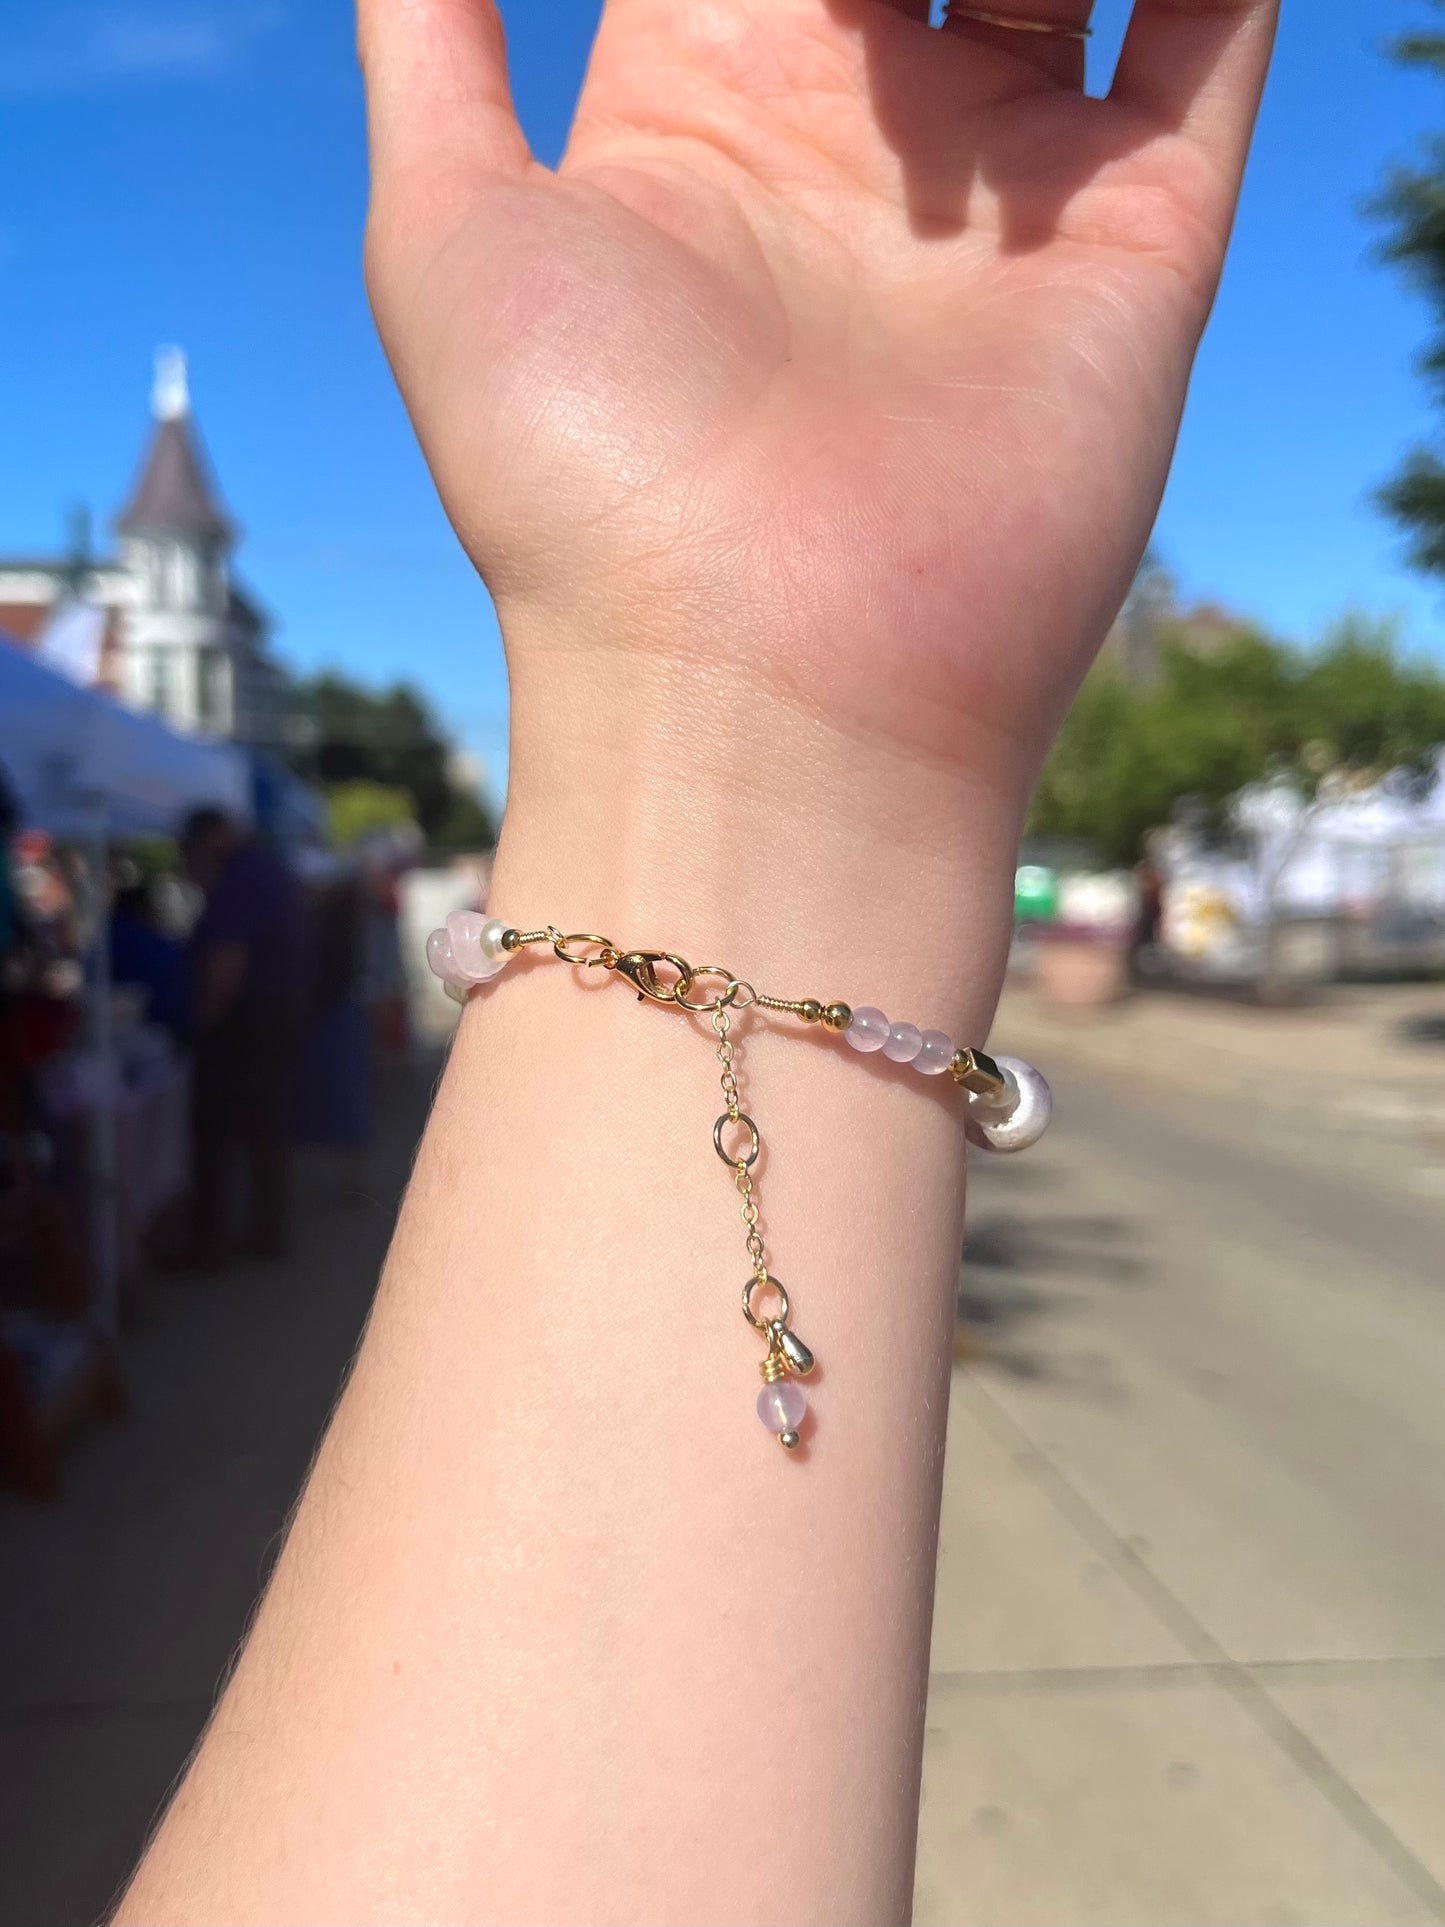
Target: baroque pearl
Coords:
[(869, 1030), (781, 1407), (935, 1053), (439, 955), (1020, 1124), (905, 1041), (471, 962)]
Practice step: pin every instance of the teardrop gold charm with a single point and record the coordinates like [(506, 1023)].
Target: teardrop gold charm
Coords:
[(800, 1359)]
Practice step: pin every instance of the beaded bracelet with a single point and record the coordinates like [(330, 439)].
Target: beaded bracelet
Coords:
[(1008, 1101)]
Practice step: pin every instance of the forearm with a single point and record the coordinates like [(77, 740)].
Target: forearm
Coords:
[(559, 1633)]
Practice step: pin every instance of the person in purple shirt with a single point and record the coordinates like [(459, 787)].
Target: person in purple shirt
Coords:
[(247, 967)]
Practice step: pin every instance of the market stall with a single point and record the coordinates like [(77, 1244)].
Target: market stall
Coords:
[(87, 773)]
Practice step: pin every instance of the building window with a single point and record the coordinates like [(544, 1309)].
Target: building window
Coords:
[(215, 692), (160, 682)]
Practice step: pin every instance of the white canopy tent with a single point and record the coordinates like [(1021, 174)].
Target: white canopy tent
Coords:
[(83, 767), (90, 772)]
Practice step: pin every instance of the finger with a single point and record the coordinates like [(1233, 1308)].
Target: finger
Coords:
[(1197, 67), (437, 93), (1059, 55)]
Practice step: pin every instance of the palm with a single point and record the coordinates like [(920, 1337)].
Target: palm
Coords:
[(828, 328)]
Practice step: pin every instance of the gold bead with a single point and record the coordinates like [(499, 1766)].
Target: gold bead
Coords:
[(789, 1441), (511, 940), (837, 1017), (810, 1010)]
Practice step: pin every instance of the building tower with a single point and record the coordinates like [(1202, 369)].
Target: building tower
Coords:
[(175, 546)]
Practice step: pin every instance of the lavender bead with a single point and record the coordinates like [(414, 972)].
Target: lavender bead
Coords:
[(470, 961), (869, 1030), (439, 955), (935, 1053), (905, 1041), (781, 1406)]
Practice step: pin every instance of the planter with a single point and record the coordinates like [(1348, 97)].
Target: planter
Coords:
[(1081, 969)]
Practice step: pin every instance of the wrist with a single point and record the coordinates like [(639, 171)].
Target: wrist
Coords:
[(667, 804)]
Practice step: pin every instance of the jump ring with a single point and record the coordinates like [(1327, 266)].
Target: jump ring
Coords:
[(561, 946), (766, 1282), (755, 1142), (715, 1003)]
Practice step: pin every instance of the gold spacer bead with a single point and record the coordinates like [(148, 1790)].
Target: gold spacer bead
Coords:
[(789, 1441), (810, 1010), (511, 940), (837, 1017), (976, 1071)]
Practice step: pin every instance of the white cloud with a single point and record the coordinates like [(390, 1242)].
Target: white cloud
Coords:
[(82, 49)]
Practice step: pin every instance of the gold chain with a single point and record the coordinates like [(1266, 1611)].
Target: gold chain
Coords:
[(740, 1166), (662, 977)]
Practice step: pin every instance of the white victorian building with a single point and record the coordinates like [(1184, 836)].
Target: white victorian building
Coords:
[(164, 623)]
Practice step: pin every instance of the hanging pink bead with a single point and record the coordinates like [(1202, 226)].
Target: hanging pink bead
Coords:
[(781, 1407)]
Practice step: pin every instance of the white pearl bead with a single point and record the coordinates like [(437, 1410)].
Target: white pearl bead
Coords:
[(994, 1128), (490, 940)]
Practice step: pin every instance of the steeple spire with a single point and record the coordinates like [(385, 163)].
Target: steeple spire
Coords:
[(171, 393), (176, 495)]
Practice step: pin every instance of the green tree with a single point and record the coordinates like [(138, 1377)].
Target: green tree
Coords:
[(1411, 206), (390, 738), (1213, 721), (355, 810)]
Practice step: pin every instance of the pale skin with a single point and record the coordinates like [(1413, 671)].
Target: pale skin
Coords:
[(806, 426)]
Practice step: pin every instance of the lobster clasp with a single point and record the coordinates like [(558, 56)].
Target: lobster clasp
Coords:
[(639, 967)]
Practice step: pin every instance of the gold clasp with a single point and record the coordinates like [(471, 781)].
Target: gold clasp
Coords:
[(639, 967)]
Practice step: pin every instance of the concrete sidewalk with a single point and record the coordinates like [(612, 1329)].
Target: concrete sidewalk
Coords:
[(120, 1607), (1189, 1651)]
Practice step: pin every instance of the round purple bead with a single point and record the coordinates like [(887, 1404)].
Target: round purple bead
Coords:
[(869, 1030), (935, 1054), (781, 1407), (905, 1041)]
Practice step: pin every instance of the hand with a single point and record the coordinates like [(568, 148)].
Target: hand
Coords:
[(838, 352)]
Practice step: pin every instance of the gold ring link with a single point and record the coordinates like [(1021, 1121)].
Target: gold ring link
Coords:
[(745, 1160), (562, 947), (767, 1282), (708, 1005)]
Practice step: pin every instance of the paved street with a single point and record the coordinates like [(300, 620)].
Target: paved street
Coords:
[(1189, 1652), (1189, 1655)]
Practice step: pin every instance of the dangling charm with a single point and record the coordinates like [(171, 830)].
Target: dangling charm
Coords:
[(782, 1403)]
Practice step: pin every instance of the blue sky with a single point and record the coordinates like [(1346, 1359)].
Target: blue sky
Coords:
[(193, 171)]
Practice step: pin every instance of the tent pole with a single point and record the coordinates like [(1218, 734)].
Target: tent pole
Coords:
[(105, 1193)]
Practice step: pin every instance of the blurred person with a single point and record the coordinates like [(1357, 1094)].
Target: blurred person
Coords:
[(247, 984), (144, 956), (808, 427), (333, 1105)]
